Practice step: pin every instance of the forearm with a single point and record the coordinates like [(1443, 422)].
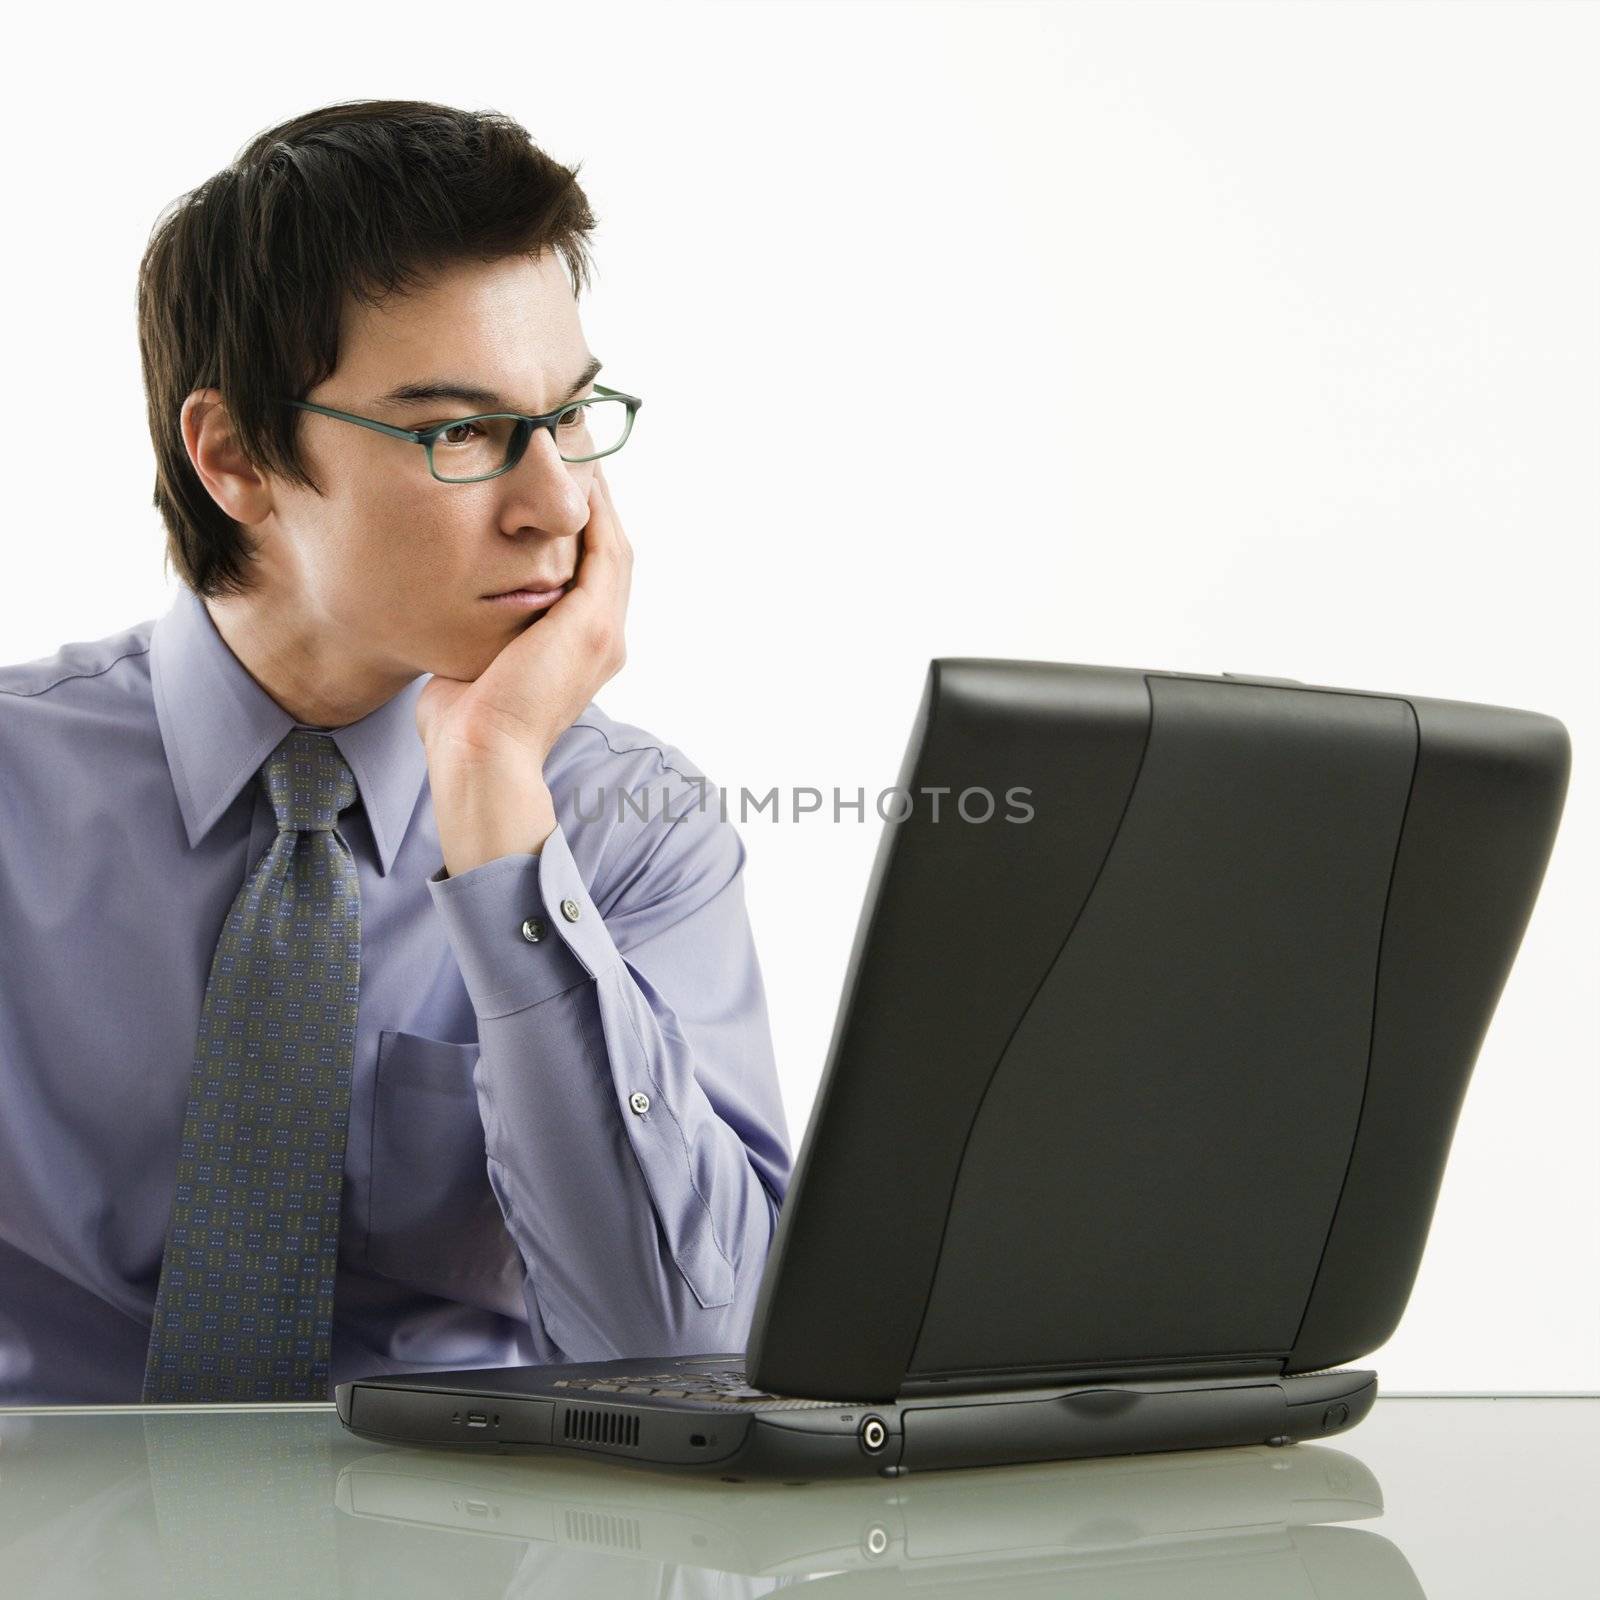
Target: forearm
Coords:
[(643, 1231), (630, 1102)]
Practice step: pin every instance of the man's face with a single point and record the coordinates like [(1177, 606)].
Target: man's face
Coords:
[(388, 558)]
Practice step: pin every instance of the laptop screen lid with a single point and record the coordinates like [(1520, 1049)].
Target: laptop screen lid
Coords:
[(1163, 998)]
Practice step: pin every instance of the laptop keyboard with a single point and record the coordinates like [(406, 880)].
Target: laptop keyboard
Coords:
[(723, 1385), (720, 1383)]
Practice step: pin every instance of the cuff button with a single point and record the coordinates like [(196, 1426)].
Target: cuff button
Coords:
[(533, 930), (569, 909), (639, 1102)]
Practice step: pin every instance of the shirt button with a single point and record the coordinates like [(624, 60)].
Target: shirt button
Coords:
[(569, 909), (639, 1102), (533, 930)]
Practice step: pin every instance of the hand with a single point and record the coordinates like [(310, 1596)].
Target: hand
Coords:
[(530, 694), (487, 739)]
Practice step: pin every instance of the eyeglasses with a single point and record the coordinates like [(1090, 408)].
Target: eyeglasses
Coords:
[(496, 441)]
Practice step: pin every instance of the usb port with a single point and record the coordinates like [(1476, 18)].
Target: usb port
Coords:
[(477, 1419)]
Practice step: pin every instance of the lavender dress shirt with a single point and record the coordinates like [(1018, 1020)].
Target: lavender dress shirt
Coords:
[(567, 1147)]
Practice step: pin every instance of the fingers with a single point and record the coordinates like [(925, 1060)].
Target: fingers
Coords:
[(614, 523), (597, 604), (606, 568), (600, 553), (614, 527)]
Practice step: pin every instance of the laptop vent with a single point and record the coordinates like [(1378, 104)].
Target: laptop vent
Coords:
[(590, 1425)]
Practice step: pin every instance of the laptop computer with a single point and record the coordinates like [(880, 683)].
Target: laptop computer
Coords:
[(1164, 995)]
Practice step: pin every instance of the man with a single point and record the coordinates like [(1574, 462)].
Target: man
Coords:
[(370, 1000)]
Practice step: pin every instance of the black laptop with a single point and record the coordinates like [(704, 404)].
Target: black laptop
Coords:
[(1164, 996)]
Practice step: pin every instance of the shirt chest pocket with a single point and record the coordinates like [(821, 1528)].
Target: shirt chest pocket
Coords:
[(433, 1221)]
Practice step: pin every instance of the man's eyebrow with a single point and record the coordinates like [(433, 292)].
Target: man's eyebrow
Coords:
[(431, 389)]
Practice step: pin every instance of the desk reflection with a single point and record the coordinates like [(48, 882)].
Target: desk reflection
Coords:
[(283, 1501)]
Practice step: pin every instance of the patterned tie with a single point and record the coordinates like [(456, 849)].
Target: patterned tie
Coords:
[(244, 1309)]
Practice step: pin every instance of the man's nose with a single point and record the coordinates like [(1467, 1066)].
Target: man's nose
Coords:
[(553, 485)]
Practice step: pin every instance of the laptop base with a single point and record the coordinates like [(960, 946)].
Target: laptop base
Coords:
[(664, 1425)]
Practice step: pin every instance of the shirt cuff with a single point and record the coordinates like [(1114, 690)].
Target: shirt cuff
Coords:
[(523, 928)]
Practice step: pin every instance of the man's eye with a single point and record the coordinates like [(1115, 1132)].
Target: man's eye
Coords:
[(456, 428)]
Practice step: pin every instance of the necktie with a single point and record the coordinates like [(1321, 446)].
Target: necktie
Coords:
[(244, 1308)]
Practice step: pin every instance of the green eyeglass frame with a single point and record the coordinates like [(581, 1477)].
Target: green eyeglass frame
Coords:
[(520, 437)]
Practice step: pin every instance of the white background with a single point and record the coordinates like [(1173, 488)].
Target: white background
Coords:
[(1288, 314)]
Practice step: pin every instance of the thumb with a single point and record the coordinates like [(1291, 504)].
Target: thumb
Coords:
[(437, 696)]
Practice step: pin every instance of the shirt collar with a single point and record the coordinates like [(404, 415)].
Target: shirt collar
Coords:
[(219, 725)]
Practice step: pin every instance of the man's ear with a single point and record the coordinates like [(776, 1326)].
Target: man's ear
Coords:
[(230, 477)]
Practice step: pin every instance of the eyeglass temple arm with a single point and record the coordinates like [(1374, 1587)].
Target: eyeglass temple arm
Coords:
[(366, 422)]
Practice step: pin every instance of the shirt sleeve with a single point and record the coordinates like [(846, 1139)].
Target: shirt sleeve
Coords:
[(632, 1115)]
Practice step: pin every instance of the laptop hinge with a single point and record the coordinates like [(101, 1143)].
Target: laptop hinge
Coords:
[(935, 1383)]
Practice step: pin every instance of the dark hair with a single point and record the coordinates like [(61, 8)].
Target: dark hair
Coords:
[(242, 282)]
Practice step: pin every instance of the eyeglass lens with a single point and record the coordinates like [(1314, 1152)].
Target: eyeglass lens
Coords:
[(482, 445)]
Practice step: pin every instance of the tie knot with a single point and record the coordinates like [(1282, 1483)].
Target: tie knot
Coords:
[(308, 781)]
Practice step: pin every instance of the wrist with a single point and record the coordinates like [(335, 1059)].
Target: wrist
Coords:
[(484, 811)]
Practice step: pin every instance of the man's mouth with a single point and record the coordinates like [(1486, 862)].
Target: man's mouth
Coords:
[(528, 599)]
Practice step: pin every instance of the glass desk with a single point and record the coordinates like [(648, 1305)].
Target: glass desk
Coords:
[(1427, 1497)]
